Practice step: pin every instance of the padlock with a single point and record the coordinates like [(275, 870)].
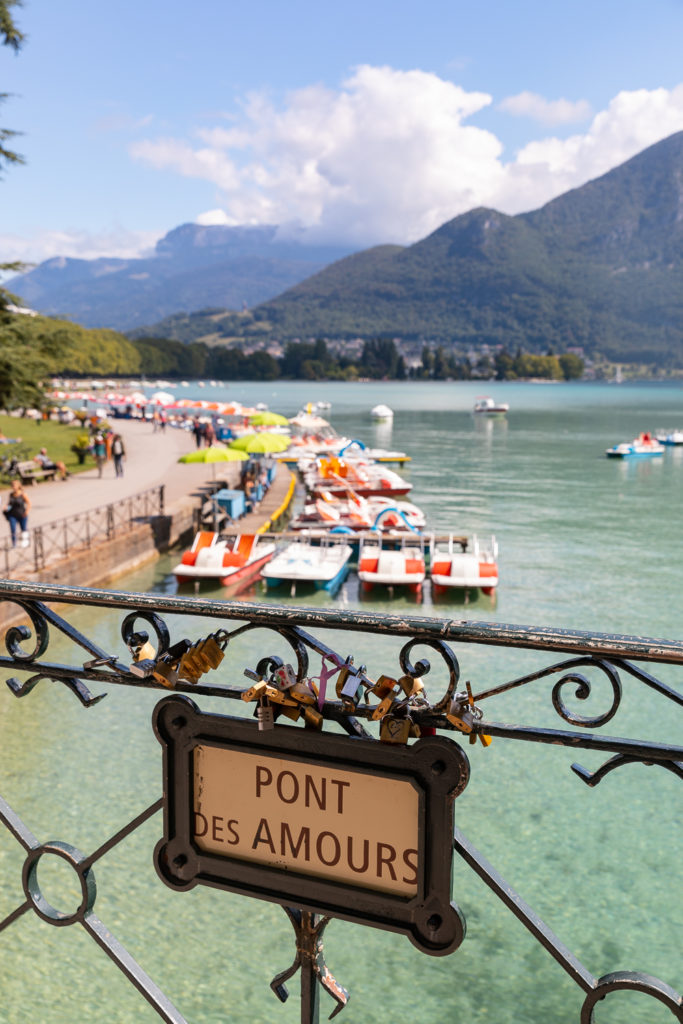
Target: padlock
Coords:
[(283, 677), (411, 685), (254, 692), (164, 671), (485, 740), (144, 651), (349, 689), (312, 717), (304, 692), (265, 717), (395, 730), (383, 687), (143, 668), (460, 715), (294, 713), (199, 658), (383, 707)]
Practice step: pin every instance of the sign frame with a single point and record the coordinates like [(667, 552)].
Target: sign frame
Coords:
[(436, 766)]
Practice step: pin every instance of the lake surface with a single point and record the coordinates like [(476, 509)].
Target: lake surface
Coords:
[(586, 543)]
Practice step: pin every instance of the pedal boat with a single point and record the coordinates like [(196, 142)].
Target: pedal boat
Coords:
[(486, 406), (392, 562), (472, 566), (325, 565), (234, 561), (643, 445)]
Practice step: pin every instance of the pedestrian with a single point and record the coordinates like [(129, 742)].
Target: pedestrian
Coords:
[(118, 452), (16, 513), (197, 431), (100, 452)]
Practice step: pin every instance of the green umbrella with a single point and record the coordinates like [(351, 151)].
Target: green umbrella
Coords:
[(268, 419), (261, 444), (214, 454)]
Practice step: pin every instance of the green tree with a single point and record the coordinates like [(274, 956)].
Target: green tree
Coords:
[(572, 366), (12, 37)]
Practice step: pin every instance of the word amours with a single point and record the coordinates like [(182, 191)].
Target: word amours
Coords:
[(344, 825)]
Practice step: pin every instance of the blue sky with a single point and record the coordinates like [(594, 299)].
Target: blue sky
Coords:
[(363, 122)]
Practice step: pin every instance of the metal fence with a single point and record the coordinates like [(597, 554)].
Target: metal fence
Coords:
[(82, 531), (191, 661)]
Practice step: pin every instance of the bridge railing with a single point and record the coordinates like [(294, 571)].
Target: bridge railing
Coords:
[(84, 530), (200, 648)]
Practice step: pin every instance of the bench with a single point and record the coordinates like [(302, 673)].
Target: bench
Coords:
[(29, 472)]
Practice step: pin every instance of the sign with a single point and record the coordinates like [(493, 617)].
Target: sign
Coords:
[(347, 827)]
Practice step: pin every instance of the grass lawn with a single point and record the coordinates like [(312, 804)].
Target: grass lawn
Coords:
[(37, 434)]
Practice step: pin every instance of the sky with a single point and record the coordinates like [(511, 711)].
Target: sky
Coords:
[(358, 122)]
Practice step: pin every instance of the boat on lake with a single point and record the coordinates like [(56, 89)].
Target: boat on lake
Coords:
[(365, 478), (324, 564), (669, 437), (463, 564), (644, 445), (234, 561), (392, 562), (356, 513), (382, 413), (486, 406)]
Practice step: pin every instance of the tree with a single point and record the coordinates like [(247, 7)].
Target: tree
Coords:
[(12, 37)]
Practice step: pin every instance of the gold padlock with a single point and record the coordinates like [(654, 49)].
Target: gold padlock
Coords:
[(303, 693), (460, 715), (383, 707), (312, 717), (485, 740), (395, 730), (202, 656), (254, 692), (411, 685), (146, 650), (384, 686), (290, 711), (164, 672)]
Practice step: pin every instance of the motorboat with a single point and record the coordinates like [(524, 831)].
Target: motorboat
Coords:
[(382, 413), (324, 564), (486, 406), (463, 563), (643, 445), (367, 479), (669, 437), (234, 561), (392, 561)]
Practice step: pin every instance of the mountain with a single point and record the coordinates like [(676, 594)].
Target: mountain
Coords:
[(193, 267), (600, 267)]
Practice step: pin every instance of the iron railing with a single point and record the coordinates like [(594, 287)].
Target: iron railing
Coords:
[(82, 531), (347, 696)]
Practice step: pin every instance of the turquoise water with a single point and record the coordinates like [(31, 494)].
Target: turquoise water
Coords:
[(586, 543)]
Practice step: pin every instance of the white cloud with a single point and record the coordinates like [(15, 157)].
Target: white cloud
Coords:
[(116, 243), (530, 104), (391, 155), (548, 167)]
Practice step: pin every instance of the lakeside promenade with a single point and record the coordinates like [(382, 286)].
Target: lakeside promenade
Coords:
[(151, 460)]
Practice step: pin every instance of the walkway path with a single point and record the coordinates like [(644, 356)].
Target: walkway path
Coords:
[(151, 460)]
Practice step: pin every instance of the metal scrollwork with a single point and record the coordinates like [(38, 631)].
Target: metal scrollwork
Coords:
[(583, 692), (16, 634), (131, 636), (422, 667)]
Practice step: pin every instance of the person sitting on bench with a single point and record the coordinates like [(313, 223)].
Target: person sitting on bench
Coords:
[(44, 460)]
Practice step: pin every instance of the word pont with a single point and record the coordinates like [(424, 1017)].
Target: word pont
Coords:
[(339, 824)]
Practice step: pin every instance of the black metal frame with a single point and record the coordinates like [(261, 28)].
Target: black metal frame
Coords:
[(612, 656), (435, 765)]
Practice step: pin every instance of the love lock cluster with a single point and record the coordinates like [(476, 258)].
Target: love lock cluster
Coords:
[(463, 713), (282, 691), (184, 662)]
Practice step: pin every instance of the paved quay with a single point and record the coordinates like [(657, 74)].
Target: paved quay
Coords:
[(151, 459)]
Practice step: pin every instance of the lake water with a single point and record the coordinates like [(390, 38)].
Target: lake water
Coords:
[(585, 542)]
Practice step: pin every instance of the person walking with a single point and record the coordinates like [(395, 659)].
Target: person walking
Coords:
[(16, 513), (100, 452), (118, 452)]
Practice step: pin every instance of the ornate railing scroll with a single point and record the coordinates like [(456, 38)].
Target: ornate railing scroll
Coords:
[(319, 682)]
